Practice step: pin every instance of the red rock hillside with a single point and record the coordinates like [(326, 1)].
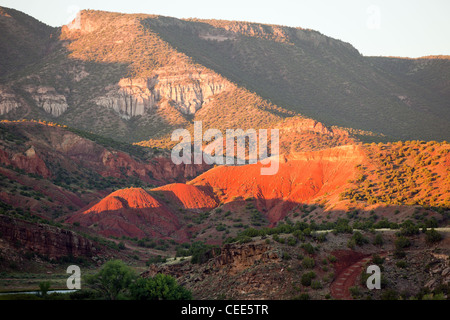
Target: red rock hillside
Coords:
[(43, 239), (50, 171), (131, 212), (301, 178), (189, 197)]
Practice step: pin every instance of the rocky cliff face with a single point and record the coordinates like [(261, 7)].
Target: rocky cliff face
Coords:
[(235, 257), (8, 100), (44, 239), (44, 97), (188, 89), (29, 162), (130, 97), (48, 99), (298, 125)]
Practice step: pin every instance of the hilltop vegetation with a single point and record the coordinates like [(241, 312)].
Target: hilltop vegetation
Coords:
[(319, 77), (224, 67), (404, 173), (25, 40)]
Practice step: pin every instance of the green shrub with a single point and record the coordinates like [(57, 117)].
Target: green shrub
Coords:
[(376, 259), (432, 236), (203, 252), (160, 287), (316, 284), (113, 279), (292, 241), (307, 278), (321, 237), (355, 292), (409, 229), (286, 256), (402, 242), (351, 243), (389, 294), (359, 239), (44, 287), (220, 227), (431, 296), (308, 263), (399, 253), (245, 239), (303, 296), (156, 259), (378, 241), (332, 258), (308, 248)]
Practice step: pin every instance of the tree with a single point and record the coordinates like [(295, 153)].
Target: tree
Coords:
[(113, 279), (359, 239), (378, 241), (432, 236), (160, 287), (44, 287), (308, 263), (307, 278)]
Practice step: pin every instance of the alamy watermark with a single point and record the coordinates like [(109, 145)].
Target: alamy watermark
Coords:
[(374, 281), (213, 153), (74, 281), (373, 22)]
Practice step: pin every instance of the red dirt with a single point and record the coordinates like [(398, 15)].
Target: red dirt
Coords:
[(31, 163), (189, 196), (347, 269), (302, 178), (131, 212), (125, 198)]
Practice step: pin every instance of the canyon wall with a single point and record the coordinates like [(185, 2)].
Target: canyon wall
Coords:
[(188, 89), (44, 239)]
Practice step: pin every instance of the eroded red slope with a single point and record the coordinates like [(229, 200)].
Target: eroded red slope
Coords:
[(131, 212), (301, 178), (189, 196)]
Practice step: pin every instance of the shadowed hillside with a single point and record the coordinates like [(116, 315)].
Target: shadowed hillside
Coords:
[(143, 76)]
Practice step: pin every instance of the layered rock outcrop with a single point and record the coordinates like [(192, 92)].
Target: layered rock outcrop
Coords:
[(236, 257), (8, 100), (187, 89), (30, 162), (309, 125), (44, 239), (232, 259), (48, 99), (239, 271)]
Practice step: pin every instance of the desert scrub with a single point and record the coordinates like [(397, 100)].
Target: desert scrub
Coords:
[(308, 263), (307, 278)]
